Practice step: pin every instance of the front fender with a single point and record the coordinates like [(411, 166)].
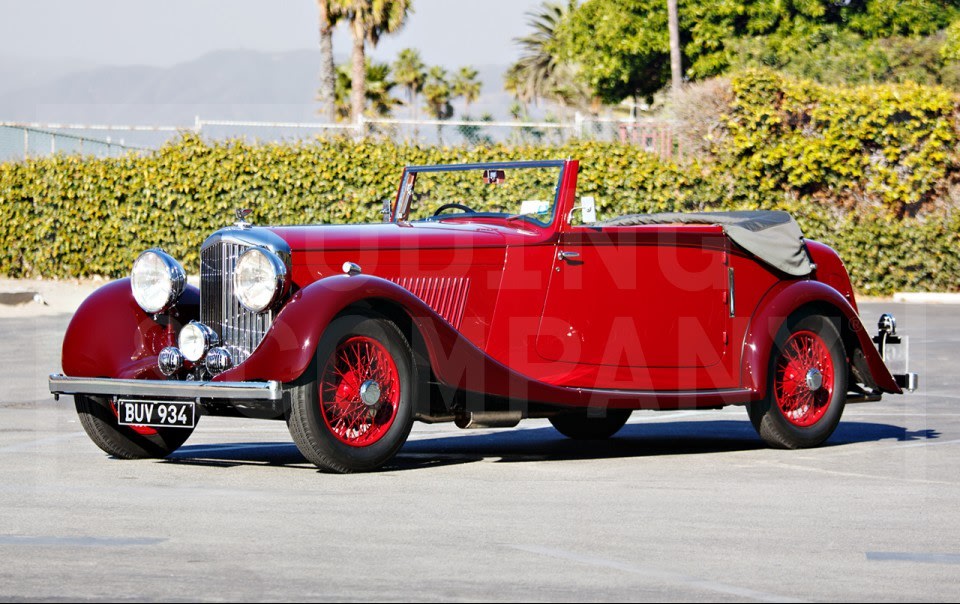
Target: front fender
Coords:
[(289, 346), (111, 336), (782, 301), (290, 343)]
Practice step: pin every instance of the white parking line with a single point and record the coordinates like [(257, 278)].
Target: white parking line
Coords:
[(857, 474), (655, 574)]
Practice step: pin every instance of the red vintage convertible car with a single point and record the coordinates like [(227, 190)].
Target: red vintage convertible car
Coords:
[(489, 294)]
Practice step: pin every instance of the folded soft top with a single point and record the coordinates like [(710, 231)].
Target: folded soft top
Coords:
[(772, 236)]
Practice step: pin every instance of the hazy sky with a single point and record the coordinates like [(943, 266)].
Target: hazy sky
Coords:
[(165, 32)]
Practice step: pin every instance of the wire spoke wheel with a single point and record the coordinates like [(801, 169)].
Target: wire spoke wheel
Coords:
[(806, 384), (804, 379), (359, 365), (352, 409)]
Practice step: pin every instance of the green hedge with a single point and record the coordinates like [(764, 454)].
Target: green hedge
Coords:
[(67, 216), (891, 146)]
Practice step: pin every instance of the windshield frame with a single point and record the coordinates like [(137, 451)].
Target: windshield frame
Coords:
[(401, 205)]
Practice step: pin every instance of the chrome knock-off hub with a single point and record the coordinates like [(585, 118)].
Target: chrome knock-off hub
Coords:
[(814, 380), (370, 393)]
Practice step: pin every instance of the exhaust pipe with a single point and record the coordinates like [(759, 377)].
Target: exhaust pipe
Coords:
[(475, 420)]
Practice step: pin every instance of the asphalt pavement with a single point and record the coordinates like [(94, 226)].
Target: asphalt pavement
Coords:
[(678, 506)]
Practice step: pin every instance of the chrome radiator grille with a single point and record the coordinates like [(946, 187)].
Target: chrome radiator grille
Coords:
[(240, 330)]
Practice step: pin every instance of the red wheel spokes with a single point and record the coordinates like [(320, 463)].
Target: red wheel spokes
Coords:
[(804, 360), (356, 361)]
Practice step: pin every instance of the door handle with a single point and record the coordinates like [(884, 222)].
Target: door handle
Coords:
[(568, 256)]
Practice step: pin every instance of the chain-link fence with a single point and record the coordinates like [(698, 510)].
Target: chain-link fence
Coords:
[(20, 141), (655, 136)]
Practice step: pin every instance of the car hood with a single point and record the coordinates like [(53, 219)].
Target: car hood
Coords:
[(382, 236)]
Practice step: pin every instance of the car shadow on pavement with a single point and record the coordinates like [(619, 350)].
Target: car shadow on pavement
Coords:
[(641, 440), (286, 454), (424, 451)]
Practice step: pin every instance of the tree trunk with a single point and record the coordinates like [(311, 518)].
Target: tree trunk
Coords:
[(676, 69), (358, 76), (326, 96), (416, 116)]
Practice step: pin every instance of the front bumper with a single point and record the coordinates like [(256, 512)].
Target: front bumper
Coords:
[(237, 392)]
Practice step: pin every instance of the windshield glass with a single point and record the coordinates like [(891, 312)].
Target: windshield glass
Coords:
[(495, 190)]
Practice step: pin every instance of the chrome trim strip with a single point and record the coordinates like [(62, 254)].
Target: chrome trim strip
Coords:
[(264, 391), (730, 284)]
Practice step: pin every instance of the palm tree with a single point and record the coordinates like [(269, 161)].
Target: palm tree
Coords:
[(378, 95), (409, 72), (438, 94), (465, 85), (330, 12), (379, 92), (673, 24), (540, 74), (370, 19)]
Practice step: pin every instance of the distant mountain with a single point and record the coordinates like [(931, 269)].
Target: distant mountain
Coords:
[(17, 73), (236, 84)]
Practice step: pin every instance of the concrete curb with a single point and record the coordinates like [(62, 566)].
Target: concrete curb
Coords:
[(926, 298), (20, 298)]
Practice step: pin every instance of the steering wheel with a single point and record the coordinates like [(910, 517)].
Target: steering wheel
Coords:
[(458, 206)]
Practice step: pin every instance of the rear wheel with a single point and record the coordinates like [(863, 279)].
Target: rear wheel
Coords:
[(98, 416), (806, 385), (353, 410), (580, 425)]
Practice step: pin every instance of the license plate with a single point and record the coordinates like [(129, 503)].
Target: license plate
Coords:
[(156, 414)]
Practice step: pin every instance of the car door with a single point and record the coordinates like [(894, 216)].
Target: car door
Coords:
[(638, 297)]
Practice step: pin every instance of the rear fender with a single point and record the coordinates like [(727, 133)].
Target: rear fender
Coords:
[(111, 336), (786, 299)]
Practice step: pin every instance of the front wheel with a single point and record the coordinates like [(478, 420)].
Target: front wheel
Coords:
[(352, 410), (806, 385), (98, 416), (579, 425)]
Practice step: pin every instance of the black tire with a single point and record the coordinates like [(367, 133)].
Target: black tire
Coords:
[(99, 418), (812, 423), (580, 425), (323, 437)]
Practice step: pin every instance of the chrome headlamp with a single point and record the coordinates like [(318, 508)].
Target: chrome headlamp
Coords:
[(260, 279), (157, 281)]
